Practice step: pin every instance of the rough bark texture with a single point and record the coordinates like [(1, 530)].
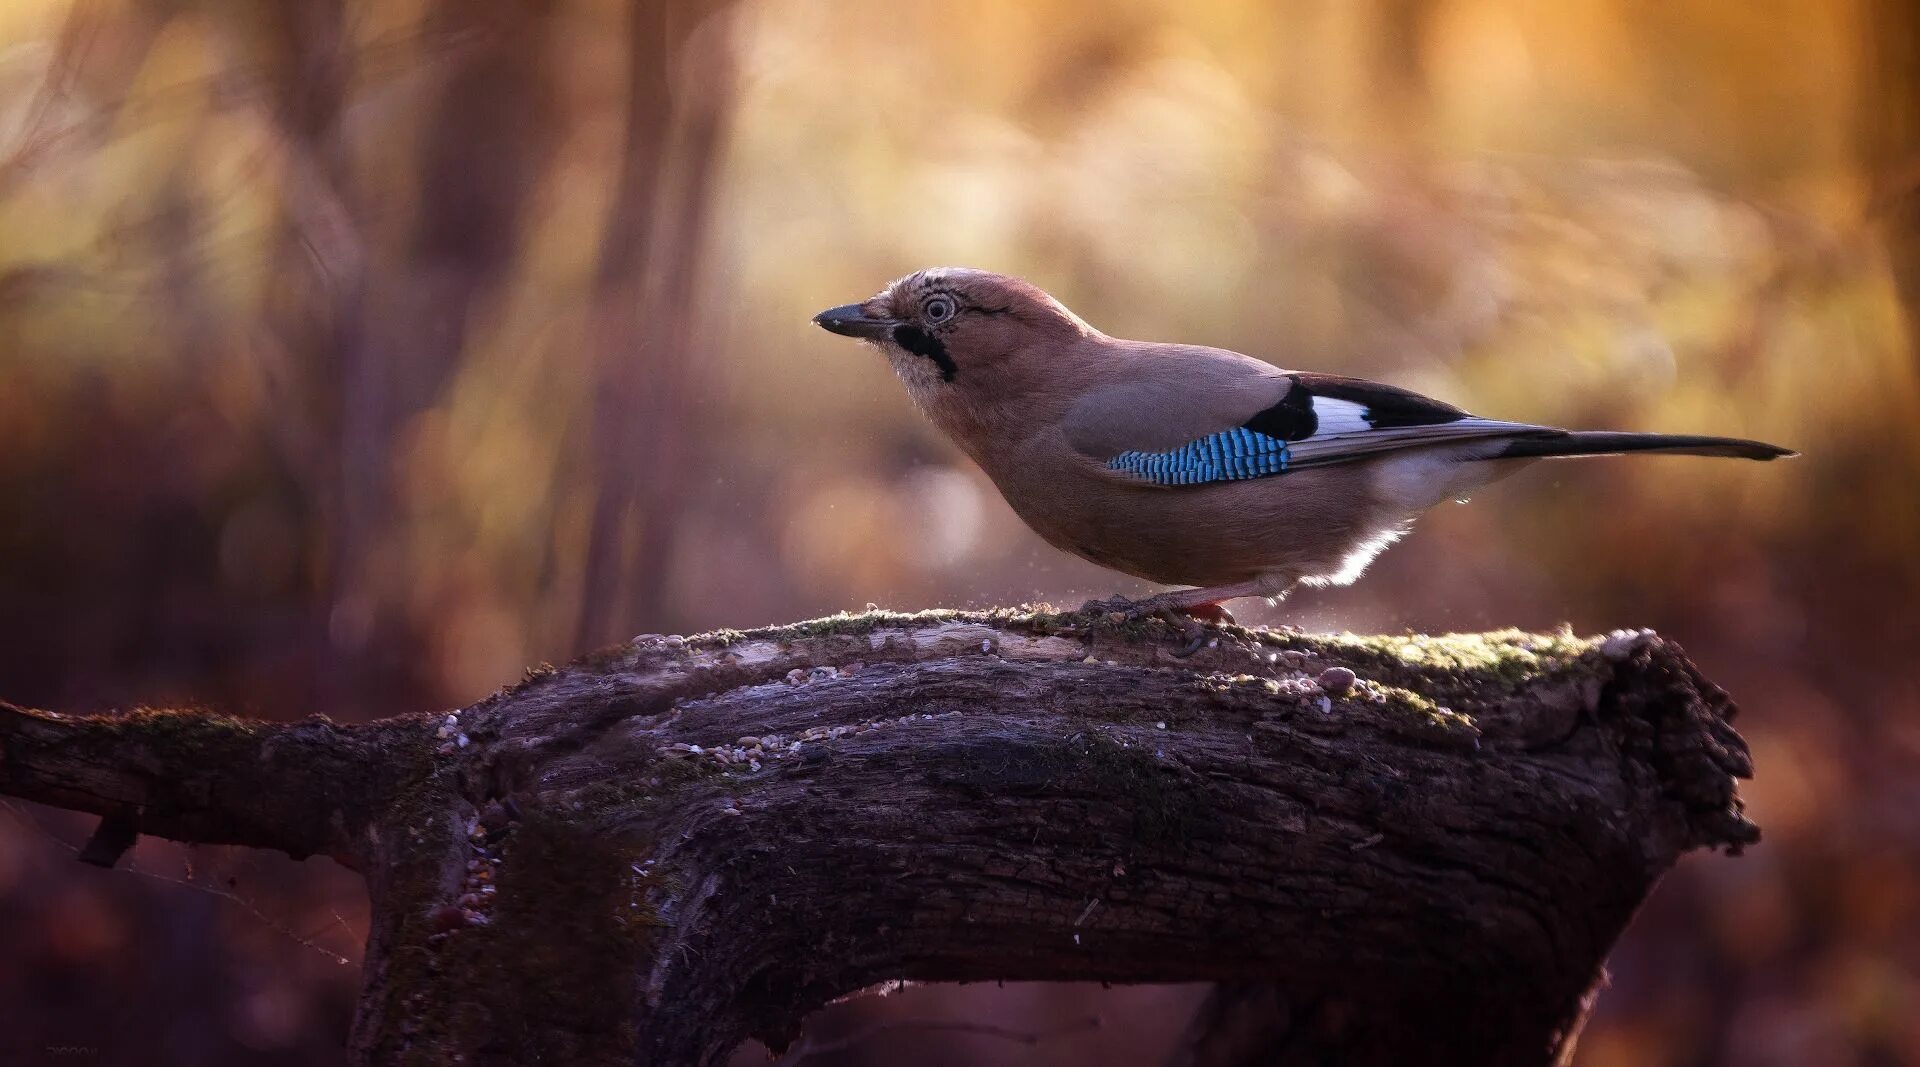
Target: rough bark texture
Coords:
[(663, 849)]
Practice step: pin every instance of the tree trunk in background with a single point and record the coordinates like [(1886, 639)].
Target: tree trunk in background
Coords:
[(676, 844), (1889, 140), (317, 271), (482, 151), (645, 306), (1399, 68)]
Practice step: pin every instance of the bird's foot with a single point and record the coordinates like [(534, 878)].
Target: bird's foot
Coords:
[(1190, 619), (1118, 605), (1190, 627)]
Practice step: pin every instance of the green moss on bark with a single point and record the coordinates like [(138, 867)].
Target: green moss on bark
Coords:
[(552, 973), (1510, 656)]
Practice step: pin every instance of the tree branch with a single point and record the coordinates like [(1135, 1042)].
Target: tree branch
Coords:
[(305, 789), (1421, 848)]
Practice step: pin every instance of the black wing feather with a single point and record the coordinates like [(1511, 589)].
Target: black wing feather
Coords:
[(1387, 405)]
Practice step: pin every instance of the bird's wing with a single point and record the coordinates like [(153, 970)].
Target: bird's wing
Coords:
[(1179, 431)]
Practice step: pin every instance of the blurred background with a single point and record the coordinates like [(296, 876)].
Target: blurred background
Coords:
[(356, 355)]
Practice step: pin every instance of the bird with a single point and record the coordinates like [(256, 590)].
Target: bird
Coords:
[(1192, 466)]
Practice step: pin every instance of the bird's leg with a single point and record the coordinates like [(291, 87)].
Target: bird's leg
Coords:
[(1201, 602), (1185, 609), (1216, 614)]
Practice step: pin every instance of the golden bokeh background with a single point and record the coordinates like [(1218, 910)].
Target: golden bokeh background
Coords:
[(356, 355)]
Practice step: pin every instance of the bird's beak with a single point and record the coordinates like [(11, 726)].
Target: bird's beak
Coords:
[(852, 320)]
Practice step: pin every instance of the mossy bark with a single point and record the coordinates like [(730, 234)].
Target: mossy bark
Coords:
[(675, 844)]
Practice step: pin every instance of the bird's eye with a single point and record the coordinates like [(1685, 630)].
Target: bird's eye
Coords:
[(938, 309)]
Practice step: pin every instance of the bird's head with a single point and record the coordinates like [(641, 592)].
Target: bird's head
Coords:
[(954, 325)]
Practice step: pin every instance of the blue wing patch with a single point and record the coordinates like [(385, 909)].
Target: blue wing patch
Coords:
[(1226, 456)]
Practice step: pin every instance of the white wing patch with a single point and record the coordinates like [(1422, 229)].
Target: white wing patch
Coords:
[(1338, 417)]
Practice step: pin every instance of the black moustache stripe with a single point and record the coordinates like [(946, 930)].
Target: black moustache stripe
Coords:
[(921, 343)]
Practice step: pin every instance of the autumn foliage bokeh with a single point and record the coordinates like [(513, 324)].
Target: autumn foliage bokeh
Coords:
[(355, 356)]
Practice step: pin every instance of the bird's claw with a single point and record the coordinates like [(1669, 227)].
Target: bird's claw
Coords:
[(1194, 629), (1190, 621)]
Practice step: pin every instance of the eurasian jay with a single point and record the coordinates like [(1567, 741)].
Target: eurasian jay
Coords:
[(1186, 465)]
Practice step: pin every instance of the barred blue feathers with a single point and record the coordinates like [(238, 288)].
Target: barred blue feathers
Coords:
[(1225, 456)]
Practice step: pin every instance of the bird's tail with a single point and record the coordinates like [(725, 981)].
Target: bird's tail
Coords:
[(1611, 443)]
